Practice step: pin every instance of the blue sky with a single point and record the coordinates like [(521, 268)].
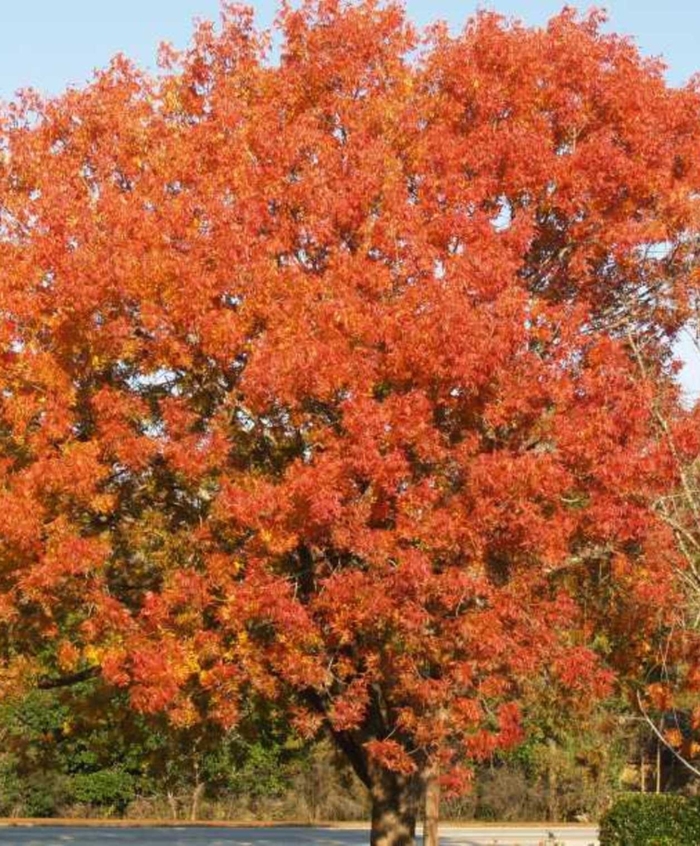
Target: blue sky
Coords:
[(51, 43)]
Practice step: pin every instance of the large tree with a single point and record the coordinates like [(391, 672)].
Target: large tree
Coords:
[(317, 383)]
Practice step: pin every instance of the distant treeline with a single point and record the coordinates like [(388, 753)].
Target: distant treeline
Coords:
[(83, 752)]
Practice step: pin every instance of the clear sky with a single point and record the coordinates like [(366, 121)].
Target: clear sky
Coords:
[(51, 43)]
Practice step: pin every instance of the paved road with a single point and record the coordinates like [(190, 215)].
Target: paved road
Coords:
[(283, 836)]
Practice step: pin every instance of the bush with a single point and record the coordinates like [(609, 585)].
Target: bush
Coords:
[(44, 794), (651, 820), (10, 786), (112, 788)]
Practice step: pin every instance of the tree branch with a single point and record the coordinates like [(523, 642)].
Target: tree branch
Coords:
[(663, 740), (67, 681)]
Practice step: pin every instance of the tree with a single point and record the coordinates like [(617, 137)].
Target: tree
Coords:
[(316, 382)]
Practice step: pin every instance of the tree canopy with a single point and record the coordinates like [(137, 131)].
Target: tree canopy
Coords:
[(322, 377)]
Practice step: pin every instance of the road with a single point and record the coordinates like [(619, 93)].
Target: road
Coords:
[(282, 836)]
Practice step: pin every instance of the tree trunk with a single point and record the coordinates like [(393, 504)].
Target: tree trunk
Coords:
[(197, 794), (432, 807), (172, 801), (552, 786), (395, 804), (658, 757), (396, 799)]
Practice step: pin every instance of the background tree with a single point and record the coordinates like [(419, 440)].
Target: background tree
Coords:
[(83, 751), (316, 383)]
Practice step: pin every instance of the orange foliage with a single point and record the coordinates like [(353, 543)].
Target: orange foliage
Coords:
[(314, 385)]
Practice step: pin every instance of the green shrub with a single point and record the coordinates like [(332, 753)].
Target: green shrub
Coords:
[(44, 794), (112, 788), (10, 786), (651, 820)]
